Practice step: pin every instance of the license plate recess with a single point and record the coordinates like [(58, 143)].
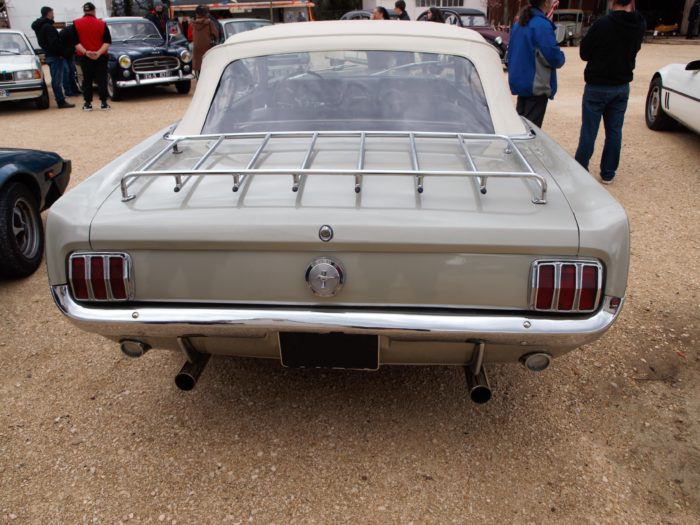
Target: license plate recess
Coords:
[(334, 350)]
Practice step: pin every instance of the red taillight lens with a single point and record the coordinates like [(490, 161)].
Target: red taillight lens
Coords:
[(97, 278), (78, 278), (116, 277), (567, 287), (545, 287), (101, 276), (589, 288)]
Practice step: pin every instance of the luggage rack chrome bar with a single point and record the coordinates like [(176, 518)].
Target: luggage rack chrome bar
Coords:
[(182, 176)]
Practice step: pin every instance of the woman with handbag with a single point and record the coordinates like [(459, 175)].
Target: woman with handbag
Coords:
[(533, 58), (205, 35)]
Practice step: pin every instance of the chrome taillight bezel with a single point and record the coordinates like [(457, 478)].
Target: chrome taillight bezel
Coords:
[(557, 264), (128, 275)]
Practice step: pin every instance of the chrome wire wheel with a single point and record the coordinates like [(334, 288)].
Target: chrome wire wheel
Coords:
[(25, 228)]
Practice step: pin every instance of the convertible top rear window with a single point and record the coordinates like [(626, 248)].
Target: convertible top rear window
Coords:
[(350, 91)]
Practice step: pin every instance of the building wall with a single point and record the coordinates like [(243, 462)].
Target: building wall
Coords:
[(22, 13), (416, 7)]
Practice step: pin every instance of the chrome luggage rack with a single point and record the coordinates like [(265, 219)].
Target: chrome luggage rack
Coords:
[(298, 172)]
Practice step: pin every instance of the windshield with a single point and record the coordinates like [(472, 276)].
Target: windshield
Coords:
[(350, 91), (13, 44), (474, 20), (565, 17), (233, 28), (141, 30)]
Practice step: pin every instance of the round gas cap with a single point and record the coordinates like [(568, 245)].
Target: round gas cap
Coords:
[(325, 276)]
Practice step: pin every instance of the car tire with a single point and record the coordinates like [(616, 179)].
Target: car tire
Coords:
[(43, 101), (21, 231), (656, 118), (183, 87), (114, 92)]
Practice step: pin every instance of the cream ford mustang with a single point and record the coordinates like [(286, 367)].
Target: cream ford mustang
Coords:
[(345, 195)]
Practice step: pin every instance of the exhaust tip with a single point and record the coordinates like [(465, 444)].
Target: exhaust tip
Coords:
[(480, 394), (133, 348), (185, 381), (537, 362)]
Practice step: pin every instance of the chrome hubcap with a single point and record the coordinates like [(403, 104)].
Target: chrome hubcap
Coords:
[(24, 228), (654, 102)]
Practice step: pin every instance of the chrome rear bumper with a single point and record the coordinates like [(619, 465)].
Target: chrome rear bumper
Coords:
[(226, 321)]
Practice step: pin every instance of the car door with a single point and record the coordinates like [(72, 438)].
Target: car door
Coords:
[(681, 96)]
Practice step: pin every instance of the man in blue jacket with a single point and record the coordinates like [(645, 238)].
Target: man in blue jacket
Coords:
[(533, 58)]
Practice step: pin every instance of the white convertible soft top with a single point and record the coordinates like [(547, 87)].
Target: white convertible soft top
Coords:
[(360, 35)]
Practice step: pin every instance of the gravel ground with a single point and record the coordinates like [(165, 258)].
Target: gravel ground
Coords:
[(610, 434)]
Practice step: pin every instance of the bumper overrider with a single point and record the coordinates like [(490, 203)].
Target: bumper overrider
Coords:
[(179, 77), (557, 333)]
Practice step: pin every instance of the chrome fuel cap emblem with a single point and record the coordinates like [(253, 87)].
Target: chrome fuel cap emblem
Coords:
[(325, 276)]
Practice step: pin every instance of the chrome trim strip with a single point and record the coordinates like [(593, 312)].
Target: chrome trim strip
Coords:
[(188, 319)]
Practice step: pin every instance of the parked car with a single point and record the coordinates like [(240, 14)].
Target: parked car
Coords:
[(674, 96), (233, 26), (571, 25), (140, 56), (366, 208), (476, 21), (30, 182), (21, 75), (363, 14)]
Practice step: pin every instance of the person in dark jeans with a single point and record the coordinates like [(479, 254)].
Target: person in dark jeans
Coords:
[(610, 49), (92, 39), (533, 59), (47, 36)]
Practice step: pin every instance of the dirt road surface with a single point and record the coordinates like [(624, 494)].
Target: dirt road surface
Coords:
[(609, 434)]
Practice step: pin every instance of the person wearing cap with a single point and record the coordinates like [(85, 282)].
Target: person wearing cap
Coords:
[(159, 17), (55, 54), (92, 39)]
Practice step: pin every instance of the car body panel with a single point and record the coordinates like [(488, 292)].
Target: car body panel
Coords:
[(681, 94), (26, 165), (12, 89), (428, 272)]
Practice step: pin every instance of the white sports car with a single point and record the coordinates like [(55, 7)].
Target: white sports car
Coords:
[(674, 96)]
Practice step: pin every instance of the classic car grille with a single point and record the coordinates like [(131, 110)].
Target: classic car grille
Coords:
[(5, 77), (151, 64)]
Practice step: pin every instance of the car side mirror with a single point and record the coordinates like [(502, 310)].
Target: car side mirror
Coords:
[(693, 66)]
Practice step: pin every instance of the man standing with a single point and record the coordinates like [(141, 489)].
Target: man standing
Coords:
[(159, 17), (610, 47), (47, 36), (92, 39), (400, 10)]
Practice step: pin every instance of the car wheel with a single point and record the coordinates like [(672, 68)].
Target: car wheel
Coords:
[(43, 101), (656, 117), (183, 87), (114, 92), (21, 231)]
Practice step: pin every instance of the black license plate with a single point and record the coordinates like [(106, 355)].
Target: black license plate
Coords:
[(336, 350)]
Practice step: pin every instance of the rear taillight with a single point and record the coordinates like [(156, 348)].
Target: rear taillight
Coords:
[(101, 276), (566, 286)]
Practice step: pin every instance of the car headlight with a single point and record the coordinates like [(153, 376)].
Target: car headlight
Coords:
[(498, 40), (125, 61), (27, 74), (185, 56)]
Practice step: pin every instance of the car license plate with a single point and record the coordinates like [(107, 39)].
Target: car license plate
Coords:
[(153, 75), (336, 350), (4, 93)]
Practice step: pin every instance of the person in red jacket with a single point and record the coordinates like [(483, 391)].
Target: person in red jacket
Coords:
[(92, 39)]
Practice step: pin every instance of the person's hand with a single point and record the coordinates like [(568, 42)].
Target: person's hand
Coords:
[(93, 55)]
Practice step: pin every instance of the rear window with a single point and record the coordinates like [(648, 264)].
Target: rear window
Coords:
[(350, 91)]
